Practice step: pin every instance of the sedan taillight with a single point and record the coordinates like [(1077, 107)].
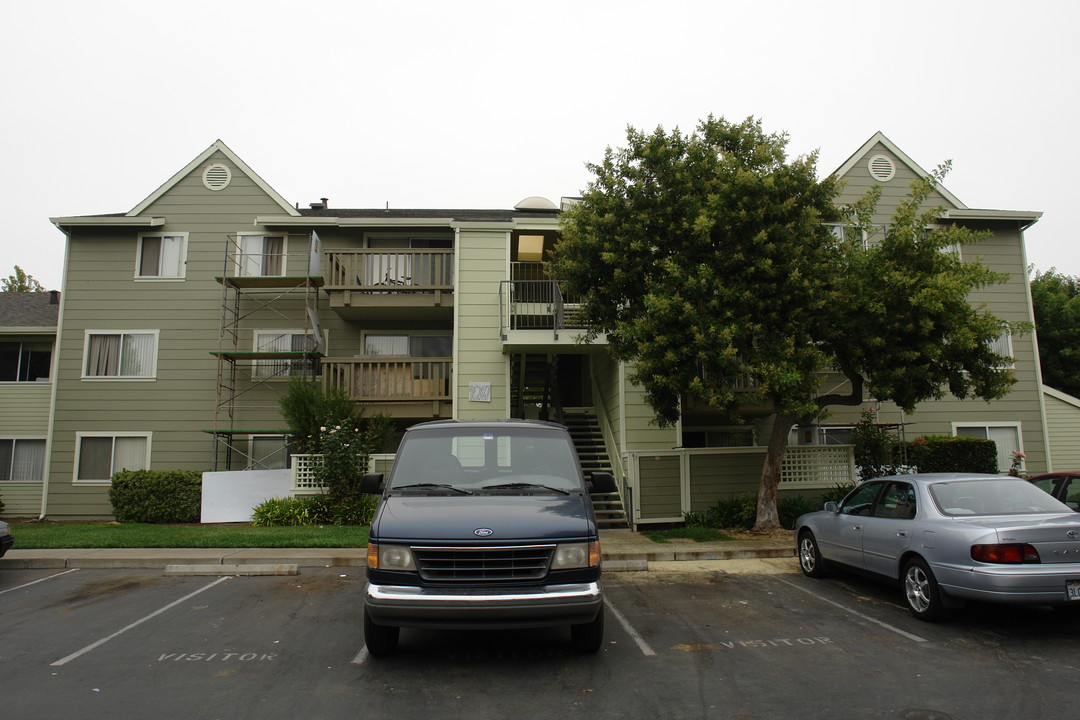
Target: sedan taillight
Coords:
[(1014, 553)]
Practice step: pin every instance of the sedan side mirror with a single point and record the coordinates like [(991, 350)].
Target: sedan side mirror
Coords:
[(832, 507), (372, 484)]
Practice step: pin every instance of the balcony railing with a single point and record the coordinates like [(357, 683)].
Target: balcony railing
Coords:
[(389, 270), (389, 380), (537, 305)]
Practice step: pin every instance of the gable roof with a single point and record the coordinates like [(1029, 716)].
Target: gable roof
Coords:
[(879, 138), (29, 309), (221, 147)]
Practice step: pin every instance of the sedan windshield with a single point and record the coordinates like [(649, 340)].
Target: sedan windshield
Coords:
[(1003, 496)]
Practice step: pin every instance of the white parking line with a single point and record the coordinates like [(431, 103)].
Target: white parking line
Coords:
[(360, 656), (35, 582), (856, 613), (644, 646), (154, 614)]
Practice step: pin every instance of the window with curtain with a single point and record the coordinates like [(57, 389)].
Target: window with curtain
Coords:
[(22, 460), (1006, 437), (262, 255), (120, 355), (288, 342), (101, 456), (161, 256)]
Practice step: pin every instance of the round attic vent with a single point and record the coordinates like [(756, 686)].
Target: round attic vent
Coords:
[(217, 177), (535, 202), (882, 168)]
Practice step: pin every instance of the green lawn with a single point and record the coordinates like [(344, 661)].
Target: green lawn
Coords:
[(41, 536)]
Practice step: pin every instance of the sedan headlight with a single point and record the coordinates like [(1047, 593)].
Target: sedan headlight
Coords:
[(576, 555), (390, 557)]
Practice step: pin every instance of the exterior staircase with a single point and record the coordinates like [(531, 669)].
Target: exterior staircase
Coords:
[(592, 452)]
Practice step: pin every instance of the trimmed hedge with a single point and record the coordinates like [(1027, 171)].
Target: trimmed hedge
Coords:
[(315, 510), (946, 453), (157, 496)]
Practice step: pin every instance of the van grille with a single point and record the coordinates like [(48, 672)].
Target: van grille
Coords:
[(483, 564)]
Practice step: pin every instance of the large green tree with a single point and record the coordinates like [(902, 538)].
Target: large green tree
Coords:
[(706, 260), (20, 282), (1056, 299)]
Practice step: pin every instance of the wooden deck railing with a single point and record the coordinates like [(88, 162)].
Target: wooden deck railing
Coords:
[(389, 270), (381, 379)]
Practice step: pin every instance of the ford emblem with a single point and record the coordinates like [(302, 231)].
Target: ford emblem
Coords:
[(483, 532), (1074, 534)]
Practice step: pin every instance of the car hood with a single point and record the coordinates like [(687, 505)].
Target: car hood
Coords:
[(509, 518)]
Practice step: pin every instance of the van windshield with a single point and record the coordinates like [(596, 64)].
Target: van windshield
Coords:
[(486, 460)]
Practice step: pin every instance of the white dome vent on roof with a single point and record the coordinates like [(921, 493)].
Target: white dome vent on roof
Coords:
[(535, 202)]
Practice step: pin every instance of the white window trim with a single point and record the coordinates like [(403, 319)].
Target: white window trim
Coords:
[(239, 259), (162, 278), (79, 435), (17, 438), (151, 377), (1015, 424)]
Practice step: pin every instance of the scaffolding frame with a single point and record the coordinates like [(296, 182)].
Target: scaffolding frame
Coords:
[(248, 300)]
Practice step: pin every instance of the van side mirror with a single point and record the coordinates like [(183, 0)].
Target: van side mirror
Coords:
[(601, 482), (372, 484)]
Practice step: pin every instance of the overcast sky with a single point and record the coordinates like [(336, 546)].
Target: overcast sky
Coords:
[(480, 104)]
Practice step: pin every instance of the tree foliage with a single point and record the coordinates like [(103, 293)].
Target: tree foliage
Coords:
[(705, 259), (19, 281), (1056, 299)]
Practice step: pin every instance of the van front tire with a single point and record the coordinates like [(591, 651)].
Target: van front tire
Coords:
[(381, 640), (588, 637)]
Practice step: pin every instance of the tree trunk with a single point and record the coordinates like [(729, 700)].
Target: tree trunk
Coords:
[(767, 517)]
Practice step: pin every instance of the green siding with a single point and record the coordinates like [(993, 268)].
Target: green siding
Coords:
[(660, 490), (482, 266), (1063, 424)]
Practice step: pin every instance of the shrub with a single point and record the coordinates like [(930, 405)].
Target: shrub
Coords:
[(740, 511), (946, 453), (875, 448), (314, 510), (157, 496), (790, 507)]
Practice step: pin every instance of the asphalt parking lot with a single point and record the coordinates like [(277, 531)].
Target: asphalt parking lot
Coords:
[(757, 640)]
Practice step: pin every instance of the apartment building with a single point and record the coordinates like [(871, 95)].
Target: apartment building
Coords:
[(182, 319)]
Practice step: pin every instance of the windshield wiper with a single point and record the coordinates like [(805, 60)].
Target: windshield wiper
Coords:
[(440, 486), (523, 485)]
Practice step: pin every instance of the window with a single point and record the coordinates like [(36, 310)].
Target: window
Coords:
[(120, 354), (101, 455), (1005, 435), (439, 346), (25, 361), (897, 502), (285, 341), (861, 500), (161, 256), (1002, 345), (261, 256), (270, 452), (22, 460)]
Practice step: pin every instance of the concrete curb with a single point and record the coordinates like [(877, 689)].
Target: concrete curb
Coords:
[(218, 570)]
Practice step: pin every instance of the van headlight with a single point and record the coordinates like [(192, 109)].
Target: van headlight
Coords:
[(390, 557), (576, 555)]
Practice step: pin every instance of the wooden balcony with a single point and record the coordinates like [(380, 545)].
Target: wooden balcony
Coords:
[(364, 283), (400, 387)]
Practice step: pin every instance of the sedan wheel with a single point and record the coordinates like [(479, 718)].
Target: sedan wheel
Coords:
[(921, 591), (810, 560)]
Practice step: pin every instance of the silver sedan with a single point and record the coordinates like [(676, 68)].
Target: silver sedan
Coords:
[(949, 538)]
